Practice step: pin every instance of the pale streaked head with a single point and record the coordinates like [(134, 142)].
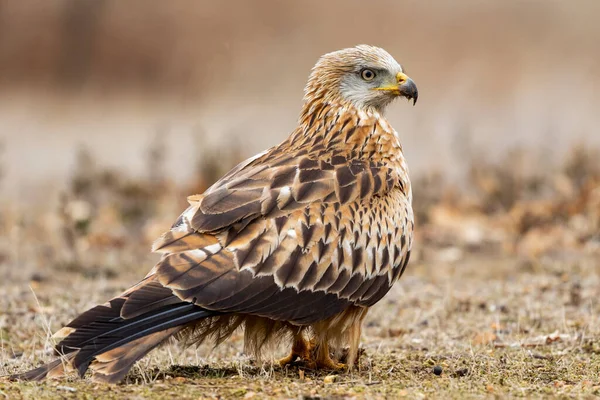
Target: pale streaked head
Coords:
[(367, 77)]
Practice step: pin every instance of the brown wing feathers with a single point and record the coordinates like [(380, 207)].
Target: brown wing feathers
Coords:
[(332, 245), (147, 298)]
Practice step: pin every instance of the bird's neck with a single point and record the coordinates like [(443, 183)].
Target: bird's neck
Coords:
[(341, 128)]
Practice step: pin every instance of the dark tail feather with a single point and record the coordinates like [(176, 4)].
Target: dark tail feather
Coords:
[(54, 368), (112, 343), (113, 365), (100, 337)]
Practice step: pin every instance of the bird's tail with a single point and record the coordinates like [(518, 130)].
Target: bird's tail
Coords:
[(110, 338)]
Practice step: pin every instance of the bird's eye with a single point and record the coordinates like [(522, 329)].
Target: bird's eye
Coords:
[(367, 74)]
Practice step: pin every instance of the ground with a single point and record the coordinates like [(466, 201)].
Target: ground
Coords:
[(500, 299)]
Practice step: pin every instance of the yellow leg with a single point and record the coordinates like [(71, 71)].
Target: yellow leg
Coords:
[(323, 359), (300, 349)]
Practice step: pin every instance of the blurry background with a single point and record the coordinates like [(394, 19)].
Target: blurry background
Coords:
[(113, 76), (112, 112)]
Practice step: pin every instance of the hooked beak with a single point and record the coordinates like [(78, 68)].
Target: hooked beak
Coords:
[(405, 87)]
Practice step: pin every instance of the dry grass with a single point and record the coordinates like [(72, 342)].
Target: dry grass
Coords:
[(502, 293)]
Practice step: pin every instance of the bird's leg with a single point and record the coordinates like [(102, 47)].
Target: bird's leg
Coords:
[(353, 354), (323, 358), (300, 348)]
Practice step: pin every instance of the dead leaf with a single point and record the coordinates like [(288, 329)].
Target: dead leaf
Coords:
[(484, 338)]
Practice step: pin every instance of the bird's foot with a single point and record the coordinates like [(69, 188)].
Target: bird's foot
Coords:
[(329, 365), (324, 361), (300, 349)]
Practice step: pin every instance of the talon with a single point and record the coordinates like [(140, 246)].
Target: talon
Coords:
[(328, 366), (300, 349), (287, 360), (324, 360), (331, 365), (341, 367)]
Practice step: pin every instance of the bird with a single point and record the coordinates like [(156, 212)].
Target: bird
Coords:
[(292, 245)]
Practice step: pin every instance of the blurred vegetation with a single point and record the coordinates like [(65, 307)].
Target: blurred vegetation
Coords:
[(499, 210)]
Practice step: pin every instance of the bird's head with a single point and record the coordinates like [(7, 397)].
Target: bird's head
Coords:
[(365, 76)]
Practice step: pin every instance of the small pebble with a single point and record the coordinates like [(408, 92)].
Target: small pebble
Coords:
[(67, 388), (437, 370)]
